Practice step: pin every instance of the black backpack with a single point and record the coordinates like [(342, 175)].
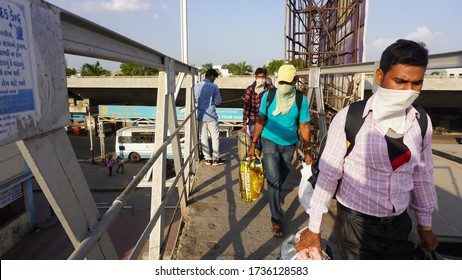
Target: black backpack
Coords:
[(298, 101), (353, 124)]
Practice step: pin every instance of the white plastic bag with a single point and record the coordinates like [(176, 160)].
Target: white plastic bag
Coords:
[(288, 251), (305, 190)]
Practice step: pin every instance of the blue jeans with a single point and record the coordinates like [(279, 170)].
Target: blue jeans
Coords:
[(277, 161)]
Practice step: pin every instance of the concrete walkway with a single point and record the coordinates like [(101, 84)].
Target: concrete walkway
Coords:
[(220, 226)]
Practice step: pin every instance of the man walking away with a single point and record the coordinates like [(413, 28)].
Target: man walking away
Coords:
[(207, 97)]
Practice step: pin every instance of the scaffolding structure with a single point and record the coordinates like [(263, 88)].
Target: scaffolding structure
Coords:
[(320, 33)]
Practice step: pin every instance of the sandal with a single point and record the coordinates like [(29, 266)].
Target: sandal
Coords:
[(278, 231)]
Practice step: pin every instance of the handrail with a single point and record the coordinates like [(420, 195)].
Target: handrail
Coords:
[(435, 61), (85, 38), (82, 37), (109, 216), (145, 235)]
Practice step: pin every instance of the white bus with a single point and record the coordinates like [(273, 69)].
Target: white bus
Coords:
[(137, 142)]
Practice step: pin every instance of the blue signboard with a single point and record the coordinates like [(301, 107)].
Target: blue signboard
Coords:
[(149, 112)]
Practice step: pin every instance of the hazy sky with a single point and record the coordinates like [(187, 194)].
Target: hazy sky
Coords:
[(226, 31)]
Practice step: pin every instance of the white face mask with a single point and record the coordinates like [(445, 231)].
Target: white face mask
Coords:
[(285, 98), (260, 81), (286, 89), (259, 85), (390, 106)]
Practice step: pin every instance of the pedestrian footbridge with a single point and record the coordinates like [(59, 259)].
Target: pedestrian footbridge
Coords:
[(215, 223)]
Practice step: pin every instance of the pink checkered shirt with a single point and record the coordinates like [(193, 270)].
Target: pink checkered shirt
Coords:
[(369, 185)]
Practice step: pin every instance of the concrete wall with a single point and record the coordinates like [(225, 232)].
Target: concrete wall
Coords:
[(14, 232), (232, 82), (12, 165)]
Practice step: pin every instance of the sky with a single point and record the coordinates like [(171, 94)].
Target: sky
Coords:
[(231, 31)]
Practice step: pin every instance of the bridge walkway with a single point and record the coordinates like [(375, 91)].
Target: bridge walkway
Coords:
[(218, 225)]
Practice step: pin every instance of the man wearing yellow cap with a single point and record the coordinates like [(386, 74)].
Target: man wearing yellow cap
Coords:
[(278, 125)]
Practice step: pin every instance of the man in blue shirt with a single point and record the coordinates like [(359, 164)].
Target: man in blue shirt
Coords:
[(278, 126), (207, 97)]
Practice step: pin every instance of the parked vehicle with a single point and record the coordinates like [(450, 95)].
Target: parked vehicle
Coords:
[(137, 142)]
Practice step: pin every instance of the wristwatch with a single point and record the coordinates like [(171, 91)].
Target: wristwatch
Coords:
[(307, 150)]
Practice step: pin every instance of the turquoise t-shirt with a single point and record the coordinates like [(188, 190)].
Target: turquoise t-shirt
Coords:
[(283, 129)]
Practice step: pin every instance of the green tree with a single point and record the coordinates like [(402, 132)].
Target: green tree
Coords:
[(299, 63), (70, 71), (240, 68), (137, 70), (208, 66), (273, 66), (94, 70)]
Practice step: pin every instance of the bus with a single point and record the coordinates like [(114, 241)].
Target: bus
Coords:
[(137, 142)]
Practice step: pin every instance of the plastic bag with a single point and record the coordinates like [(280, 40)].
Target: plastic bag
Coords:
[(251, 178), (305, 189), (288, 251), (243, 145)]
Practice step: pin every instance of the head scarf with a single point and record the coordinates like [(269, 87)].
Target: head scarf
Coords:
[(285, 97)]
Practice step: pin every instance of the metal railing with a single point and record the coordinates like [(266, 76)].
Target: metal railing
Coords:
[(82, 37), (316, 90)]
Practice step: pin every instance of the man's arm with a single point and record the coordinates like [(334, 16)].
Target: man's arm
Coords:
[(246, 109), (197, 91), (305, 133), (424, 195), (217, 96), (259, 125), (333, 154)]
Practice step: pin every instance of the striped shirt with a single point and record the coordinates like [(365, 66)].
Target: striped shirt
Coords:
[(369, 184)]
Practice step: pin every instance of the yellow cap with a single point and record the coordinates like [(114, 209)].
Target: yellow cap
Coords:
[(287, 73)]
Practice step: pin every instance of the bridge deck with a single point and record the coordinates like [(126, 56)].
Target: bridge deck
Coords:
[(220, 226)]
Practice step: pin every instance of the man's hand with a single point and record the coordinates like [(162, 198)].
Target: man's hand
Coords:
[(308, 239), (308, 159), (428, 240), (244, 127), (251, 151)]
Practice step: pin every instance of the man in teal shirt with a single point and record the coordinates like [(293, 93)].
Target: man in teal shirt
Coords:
[(278, 126)]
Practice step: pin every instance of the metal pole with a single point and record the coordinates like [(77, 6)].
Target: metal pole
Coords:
[(184, 31), (90, 132)]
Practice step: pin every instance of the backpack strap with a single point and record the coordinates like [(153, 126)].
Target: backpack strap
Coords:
[(354, 122), (298, 101), (269, 99), (423, 121)]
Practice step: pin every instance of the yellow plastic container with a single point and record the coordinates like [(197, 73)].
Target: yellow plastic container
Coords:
[(251, 179)]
